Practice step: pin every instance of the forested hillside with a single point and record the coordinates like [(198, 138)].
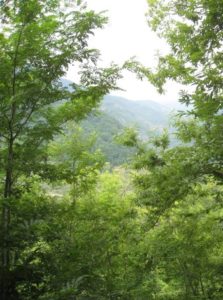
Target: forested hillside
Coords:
[(114, 115), (73, 227), (147, 116)]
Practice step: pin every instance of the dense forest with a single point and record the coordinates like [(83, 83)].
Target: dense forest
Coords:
[(149, 225)]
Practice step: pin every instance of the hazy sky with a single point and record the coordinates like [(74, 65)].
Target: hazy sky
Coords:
[(127, 34)]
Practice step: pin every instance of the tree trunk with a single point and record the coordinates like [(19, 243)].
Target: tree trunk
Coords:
[(5, 285), (7, 290)]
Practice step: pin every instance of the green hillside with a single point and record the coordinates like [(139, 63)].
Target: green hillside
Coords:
[(106, 128), (148, 116), (114, 115)]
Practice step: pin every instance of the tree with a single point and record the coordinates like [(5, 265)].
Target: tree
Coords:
[(100, 238), (186, 246), (181, 187), (79, 246), (193, 30), (42, 214), (38, 41)]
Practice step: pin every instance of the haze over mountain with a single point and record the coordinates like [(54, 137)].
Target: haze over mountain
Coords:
[(116, 113), (146, 115)]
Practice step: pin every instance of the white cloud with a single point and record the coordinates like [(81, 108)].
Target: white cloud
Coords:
[(127, 34)]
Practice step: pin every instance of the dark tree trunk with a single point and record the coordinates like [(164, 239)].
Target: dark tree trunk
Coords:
[(6, 291)]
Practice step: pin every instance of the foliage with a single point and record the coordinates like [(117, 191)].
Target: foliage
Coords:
[(106, 128), (77, 162), (96, 235), (193, 30), (186, 246), (72, 230), (181, 187), (38, 41), (77, 246)]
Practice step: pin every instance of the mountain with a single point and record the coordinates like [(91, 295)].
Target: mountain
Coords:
[(116, 113), (146, 115), (106, 128)]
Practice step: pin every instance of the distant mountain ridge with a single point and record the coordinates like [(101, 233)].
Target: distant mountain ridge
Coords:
[(114, 114), (147, 116)]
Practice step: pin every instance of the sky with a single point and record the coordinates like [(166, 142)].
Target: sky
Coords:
[(127, 34)]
